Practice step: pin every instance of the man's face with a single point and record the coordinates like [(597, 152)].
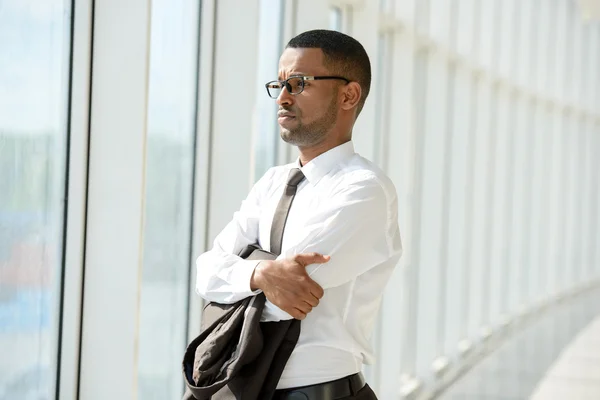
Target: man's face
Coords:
[(306, 118)]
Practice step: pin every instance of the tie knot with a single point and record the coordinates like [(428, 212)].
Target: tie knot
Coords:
[(295, 177)]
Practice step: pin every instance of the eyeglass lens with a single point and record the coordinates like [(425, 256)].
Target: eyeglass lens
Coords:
[(293, 85)]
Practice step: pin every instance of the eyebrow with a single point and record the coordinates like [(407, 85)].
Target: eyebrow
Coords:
[(295, 74)]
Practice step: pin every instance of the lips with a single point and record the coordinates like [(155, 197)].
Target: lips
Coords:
[(285, 119), (285, 115)]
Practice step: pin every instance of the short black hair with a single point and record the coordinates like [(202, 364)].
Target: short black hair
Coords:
[(343, 56)]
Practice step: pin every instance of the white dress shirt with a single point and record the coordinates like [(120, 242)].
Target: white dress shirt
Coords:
[(345, 208)]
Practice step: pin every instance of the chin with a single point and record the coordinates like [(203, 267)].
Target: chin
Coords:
[(286, 136), (290, 138)]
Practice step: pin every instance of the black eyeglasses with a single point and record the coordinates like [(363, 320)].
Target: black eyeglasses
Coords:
[(295, 84)]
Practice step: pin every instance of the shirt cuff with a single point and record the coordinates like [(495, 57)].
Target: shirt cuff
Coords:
[(243, 274)]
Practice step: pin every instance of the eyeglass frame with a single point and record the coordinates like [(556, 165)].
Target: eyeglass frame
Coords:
[(284, 83)]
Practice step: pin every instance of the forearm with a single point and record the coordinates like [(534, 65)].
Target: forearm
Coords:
[(221, 275), (224, 278)]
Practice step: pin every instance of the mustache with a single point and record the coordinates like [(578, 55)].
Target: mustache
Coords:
[(286, 109)]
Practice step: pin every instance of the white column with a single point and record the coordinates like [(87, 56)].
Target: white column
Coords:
[(560, 45), (488, 22), (570, 188), (439, 21), (480, 245), (591, 205), (545, 137), (506, 49), (431, 250), (525, 53), (367, 34), (581, 192), (397, 321), (570, 54), (534, 220), (502, 193), (459, 211), (596, 235), (544, 36), (555, 248), (518, 237), (466, 21), (565, 187), (594, 102), (415, 182), (113, 258), (405, 11)]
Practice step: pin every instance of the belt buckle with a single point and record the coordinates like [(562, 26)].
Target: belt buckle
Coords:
[(297, 395)]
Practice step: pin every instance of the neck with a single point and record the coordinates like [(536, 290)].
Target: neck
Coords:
[(307, 154)]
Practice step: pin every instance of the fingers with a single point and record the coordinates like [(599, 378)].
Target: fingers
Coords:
[(309, 289), (297, 314), (312, 258), (312, 300), (304, 307), (292, 289)]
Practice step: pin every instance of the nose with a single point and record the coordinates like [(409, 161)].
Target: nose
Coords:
[(285, 98)]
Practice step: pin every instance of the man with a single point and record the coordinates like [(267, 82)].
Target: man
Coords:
[(341, 239)]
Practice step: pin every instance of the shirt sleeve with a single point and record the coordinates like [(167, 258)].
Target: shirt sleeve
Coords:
[(358, 228), (221, 275)]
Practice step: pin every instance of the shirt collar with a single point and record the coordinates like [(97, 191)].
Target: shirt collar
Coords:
[(320, 166)]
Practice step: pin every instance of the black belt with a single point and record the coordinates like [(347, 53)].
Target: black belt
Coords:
[(338, 389)]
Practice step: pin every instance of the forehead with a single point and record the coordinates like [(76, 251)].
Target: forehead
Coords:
[(304, 60)]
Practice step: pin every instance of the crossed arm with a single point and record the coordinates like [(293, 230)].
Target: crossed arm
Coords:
[(355, 231)]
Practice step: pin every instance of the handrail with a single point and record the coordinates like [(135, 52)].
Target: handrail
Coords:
[(446, 373)]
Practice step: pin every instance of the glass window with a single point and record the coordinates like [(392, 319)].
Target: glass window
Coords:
[(266, 135), (340, 19), (34, 88), (335, 19), (169, 187)]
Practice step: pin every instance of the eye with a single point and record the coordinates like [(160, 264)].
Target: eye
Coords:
[(296, 84)]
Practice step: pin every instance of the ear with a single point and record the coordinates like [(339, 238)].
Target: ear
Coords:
[(351, 96)]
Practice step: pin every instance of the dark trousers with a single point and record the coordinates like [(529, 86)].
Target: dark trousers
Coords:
[(366, 393)]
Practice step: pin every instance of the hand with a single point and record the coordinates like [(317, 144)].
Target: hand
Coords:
[(286, 283)]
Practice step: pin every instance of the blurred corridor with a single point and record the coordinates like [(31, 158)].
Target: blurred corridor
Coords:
[(131, 130)]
